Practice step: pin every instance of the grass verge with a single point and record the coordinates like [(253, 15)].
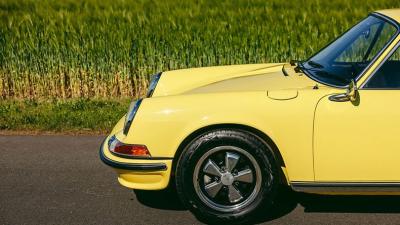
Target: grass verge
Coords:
[(77, 116)]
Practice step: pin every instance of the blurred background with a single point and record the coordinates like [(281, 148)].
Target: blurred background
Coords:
[(74, 66)]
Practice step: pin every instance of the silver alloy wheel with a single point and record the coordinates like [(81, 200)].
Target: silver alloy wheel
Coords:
[(227, 178)]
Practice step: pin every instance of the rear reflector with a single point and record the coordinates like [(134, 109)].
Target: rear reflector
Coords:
[(120, 148)]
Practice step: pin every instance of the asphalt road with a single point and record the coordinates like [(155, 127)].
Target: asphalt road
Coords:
[(60, 180)]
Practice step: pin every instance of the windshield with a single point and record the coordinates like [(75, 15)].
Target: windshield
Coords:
[(346, 57)]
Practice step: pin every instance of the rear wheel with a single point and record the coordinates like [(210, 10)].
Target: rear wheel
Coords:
[(226, 175)]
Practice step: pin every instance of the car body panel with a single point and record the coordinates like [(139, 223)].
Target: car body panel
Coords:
[(391, 13), (358, 141), (259, 82), (167, 122), (180, 81)]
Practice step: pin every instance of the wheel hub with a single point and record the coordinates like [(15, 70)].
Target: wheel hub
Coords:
[(227, 179)]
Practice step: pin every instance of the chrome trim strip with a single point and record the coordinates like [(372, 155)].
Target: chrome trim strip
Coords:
[(345, 186), (395, 48), (140, 157)]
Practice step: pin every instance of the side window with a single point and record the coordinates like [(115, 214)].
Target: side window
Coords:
[(388, 75)]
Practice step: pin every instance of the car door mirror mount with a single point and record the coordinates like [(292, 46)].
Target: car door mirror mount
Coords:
[(350, 95)]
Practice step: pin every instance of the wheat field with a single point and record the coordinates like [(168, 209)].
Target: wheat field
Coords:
[(107, 49)]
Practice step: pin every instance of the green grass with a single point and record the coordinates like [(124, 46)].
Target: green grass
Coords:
[(81, 116)]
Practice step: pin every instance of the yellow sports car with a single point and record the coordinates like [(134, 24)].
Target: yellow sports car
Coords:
[(228, 137)]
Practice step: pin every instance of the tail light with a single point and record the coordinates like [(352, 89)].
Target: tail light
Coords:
[(127, 150)]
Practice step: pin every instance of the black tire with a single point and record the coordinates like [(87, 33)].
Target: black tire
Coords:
[(254, 146)]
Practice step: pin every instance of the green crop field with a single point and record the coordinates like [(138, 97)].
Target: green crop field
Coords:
[(103, 48), (94, 49)]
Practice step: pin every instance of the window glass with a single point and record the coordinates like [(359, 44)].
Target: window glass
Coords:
[(387, 32), (346, 57), (388, 75), (357, 50)]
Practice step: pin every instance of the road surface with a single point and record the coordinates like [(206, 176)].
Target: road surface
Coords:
[(60, 180)]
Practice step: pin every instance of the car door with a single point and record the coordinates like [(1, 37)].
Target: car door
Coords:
[(360, 141)]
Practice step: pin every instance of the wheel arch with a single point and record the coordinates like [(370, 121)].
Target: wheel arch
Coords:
[(244, 128)]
